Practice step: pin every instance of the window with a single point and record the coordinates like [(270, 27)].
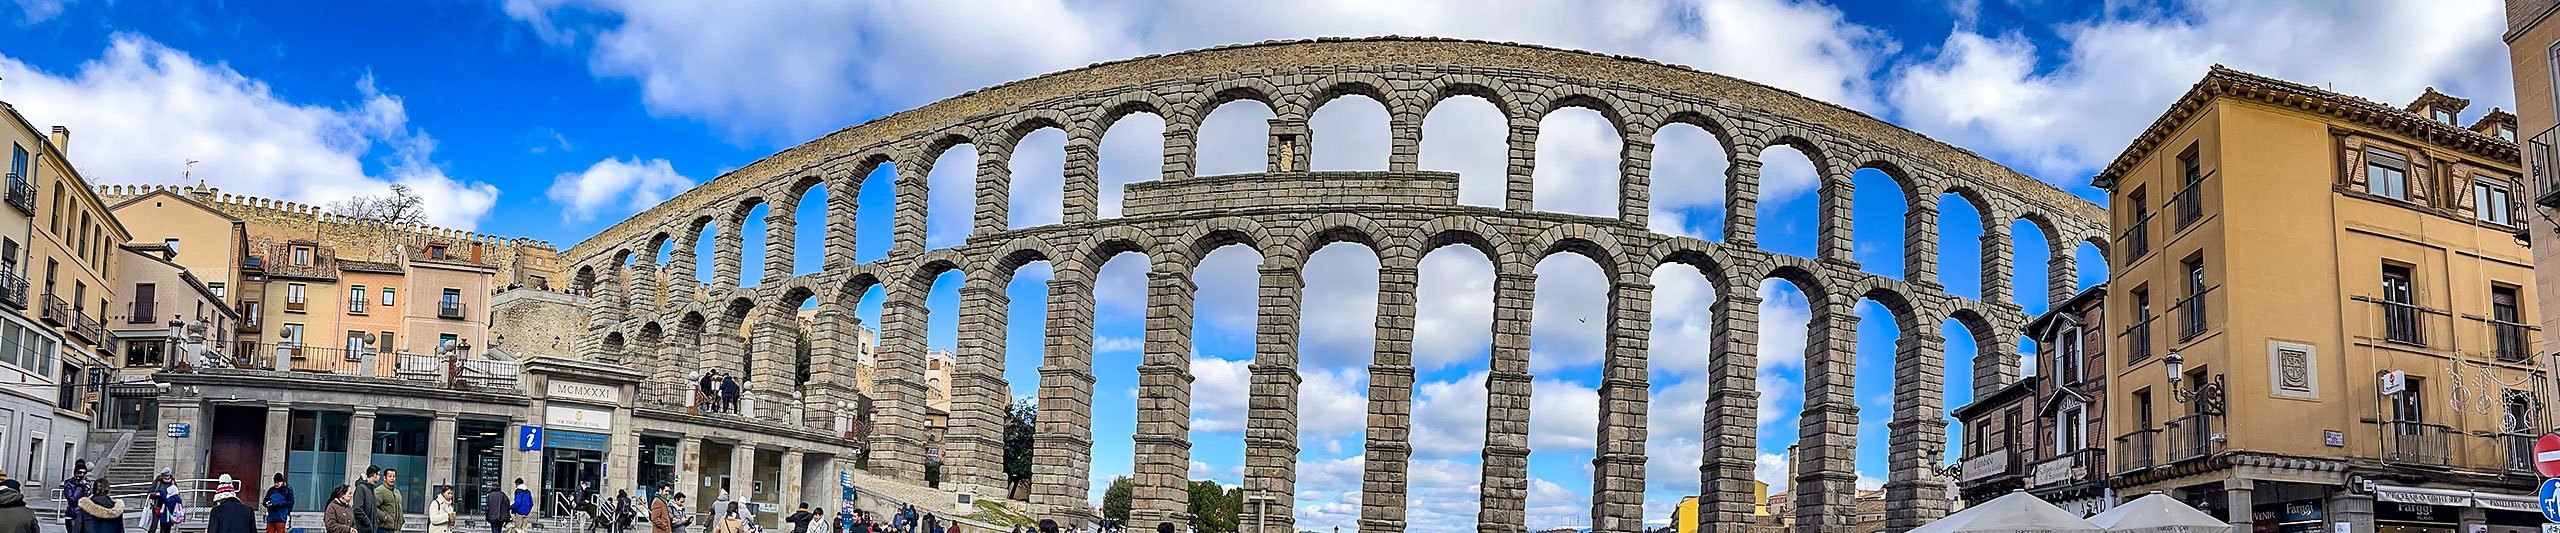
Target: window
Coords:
[(2142, 409), (2507, 132), (2067, 358), (289, 335), (145, 303), (387, 293), (2399, 306), (435, 251), (54, 221), (2440, 115), (144, 352), (2506, 323), (355, 344), (2070, 432), (2490, 203), (293, 296), (446, 342), (355, 299), (2410, 405), (386, 343), (172, 243), (2191, 310), (82, 248), (451, 304), (249, 314), (218, 292), (8, 257), (2386, 174), (79, 297), (301, 256), (18, 160), (2517, 416)]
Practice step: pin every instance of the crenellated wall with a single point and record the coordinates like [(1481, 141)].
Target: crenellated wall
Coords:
[(518, 260)]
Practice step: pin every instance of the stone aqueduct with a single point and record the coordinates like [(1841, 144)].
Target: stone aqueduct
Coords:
[(1286, 214)]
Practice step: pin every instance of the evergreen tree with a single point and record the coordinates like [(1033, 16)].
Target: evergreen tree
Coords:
[(1019, 421), (1115, 500)]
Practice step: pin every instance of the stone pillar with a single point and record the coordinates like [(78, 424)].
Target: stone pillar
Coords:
[(907, 233), (1914, 492), (1161, 489), (279, 432), (682, 260), (776, 345), (742, 471), (1920, 242), (181, 455), (781, 221), (1271, 425), (1404, 140), (1617, 502), (1181, 144), (689, 466), (1083, 178), (1837, 233), (1742, 199), (1635, 179), (994, 186), (898, 439), (1733, 413), (1505, 485), (1292, 145), (1063, 446), (1995, 361), (842, 202), (1997, 258), (728, 249), (2351, 509), (624, 474), (2237, 492), (1389, 444), (644, 287), (1826, 485), (975, 445), (2062, 276), (440, 450), (360, 441), (832, 349), (1519, 184), (789, 493)]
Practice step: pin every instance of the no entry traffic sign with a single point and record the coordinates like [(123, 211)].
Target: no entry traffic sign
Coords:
[(2546, 455)]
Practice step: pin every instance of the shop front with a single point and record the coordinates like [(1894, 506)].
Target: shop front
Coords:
[(2396, 517), (481, 463), (574, 443), (2304, 516)]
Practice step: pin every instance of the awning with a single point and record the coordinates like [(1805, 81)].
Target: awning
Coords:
[(133, 390), (2491, 500), (2456, 498)]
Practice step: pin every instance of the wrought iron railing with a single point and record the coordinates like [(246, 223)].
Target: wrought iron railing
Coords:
[(87, 329), (447, 371), (22, 194), (13, 290), (2417, 443), (2086, 464), (141, 312), (2189, 204), (2138, 340), (2519, 448), (2136, 450), (56, 311), (2192, 318), (2137, 239), (451, 310), (2539, 159), (2195, 435), (2509, 341)]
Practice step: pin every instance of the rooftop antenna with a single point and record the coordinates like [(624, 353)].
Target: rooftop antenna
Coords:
[(189, 171)]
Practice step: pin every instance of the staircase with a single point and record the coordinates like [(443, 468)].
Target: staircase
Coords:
[(138, 463)]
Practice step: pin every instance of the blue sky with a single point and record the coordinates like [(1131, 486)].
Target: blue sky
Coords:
[(555, 118)]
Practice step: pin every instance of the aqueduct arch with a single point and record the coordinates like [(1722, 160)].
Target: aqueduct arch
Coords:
[(1285, 213)]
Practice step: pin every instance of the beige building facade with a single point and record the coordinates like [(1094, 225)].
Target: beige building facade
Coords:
[(49, 391), (166, 316), (2361, 314)]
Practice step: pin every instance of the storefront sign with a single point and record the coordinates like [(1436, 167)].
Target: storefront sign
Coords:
[(2058, 470), (584, 392), (1986, 465), (529, 438), (577, 418), (572, 440), (2414, 513), (2418, 496)]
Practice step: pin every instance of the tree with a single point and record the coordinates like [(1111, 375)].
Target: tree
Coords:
[(386, 213), (1115, 500), (1019, 421), (933, 473), (1215, 509), (800, 355)]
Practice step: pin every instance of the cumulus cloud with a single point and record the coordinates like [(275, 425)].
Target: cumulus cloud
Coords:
[(246, 138), (34, 11), (630, 185), (1112, 344), (1217, 406)]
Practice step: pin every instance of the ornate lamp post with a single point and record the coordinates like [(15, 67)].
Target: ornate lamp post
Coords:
[(2206, 395)]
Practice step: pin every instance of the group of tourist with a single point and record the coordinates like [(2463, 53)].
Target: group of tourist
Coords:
[(716, 392)]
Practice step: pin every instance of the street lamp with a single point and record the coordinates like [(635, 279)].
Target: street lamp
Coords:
[(2207, 395)]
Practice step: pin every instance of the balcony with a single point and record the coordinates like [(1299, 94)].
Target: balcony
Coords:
[(438, 371), (1991, 464), (141, 312), (2406, 324), (56, 311), (2138, 341), (2083, 466), (2509, 341), (2136, 450), (2519, 448), (22, 194), (2538, 161), (2137, 240), (2192, 319), (450, 310), (2193, 436), (2189, 205), (87, 329), (2417, 443), (13, 290)]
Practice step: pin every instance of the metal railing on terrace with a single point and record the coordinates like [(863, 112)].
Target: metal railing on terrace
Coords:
[(2519, 448), (13, 290), (87, 328), (2508, 341), (2539, 160), (141, 312), (451, 310), (447, 371), (2086, 464), (2417, 443), (55, 311), (2407, 324), (21, 193), (2136, 450), (2195, 435)]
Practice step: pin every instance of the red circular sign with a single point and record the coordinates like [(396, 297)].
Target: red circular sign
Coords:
[(2546, 455)]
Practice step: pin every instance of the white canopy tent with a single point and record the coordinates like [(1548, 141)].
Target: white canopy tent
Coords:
[(2158, 513), (2017, 512)]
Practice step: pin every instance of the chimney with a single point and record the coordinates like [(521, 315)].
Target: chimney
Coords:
[(62, 141)]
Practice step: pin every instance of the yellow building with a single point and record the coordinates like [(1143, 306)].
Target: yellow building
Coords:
[(2322, 299), (52, 391), (2533, 44)]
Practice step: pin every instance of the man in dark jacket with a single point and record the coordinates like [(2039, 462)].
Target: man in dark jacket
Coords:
[(497, 508), (799, 520), (728, 394), (279, 505), (362, 501), (14, 515), (229, 515)]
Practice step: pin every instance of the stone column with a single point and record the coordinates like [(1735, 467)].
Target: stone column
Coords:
[(1083, 178), (440, 450), (1181, 144), (1635, 179), (1271, 425), (1742, 199), (728, 249), (2236, 494), (995, 187), (742, 471), (360, 441), (1995, 361), (1826, 484), (1505, 485), (907, 234), (898, 439), (1519, 184), (625, 455), (1389, 443), (671, 380), (781, 221), (644, 287), (841, 205), (2062, 276), (832, 349), (1733, 414), (682, 260), (1914, 492), (789, 493), (1920, 242), (1837, 233), (1161, 490), (1063, 446), (1617, 503), (279, 433), (1291, 146), (1404, 140), (689, 466), (776, 345), (975, 446), (1997, 258), (181, 455)]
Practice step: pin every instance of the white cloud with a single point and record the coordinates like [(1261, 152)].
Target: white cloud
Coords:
[(1111, 344), (1569, 314), (1577, 164), (1332, 404), (2115, 73), (1451, 413), (1453, 311), (1037, 196), (1771, 468), (35, 11), (247, 139), (634, 185), (1216, 405), (1563, 417), (951, 202)]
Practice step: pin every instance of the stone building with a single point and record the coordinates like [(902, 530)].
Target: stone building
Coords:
[(2045, 434), (2322, 308), (50, 387)]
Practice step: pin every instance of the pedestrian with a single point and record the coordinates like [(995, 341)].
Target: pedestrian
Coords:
[(73, 490), (389, 512), (728, 394), (14, 515), (683, 514), (523, 508), (955, 526), (440, 511), (495, 508), (279, 503), (360, 501), (229, 514), (1048, 526), (341, 516), (166, 507), (703, 392), (101, 512), (800, 519), (622, 512)]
